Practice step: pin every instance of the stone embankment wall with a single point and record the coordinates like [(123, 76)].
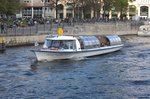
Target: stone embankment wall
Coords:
[(11, 41), (101, 29), (88, 29)]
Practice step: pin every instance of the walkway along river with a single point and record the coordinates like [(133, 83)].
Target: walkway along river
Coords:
[(123, 74), (28, 37)]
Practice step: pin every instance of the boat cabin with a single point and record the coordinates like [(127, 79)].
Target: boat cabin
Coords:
[(61, 43), (89, 42)]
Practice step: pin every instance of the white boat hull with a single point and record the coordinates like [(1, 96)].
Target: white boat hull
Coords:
[(55, 55)]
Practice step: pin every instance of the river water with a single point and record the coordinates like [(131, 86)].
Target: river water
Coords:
[(124, 74)]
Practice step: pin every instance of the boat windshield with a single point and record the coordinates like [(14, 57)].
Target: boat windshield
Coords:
[(61, 44)]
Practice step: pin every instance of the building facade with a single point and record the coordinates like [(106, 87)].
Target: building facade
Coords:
[(43, 8), (36, 9), (142, 8)]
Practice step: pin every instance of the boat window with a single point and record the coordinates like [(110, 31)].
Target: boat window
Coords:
[(62, 44), (47, 43), (55, 44), (89, 42), (68, 44), (114, 40), (81, 43)]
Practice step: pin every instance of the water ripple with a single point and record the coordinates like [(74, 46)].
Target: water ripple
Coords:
[(141, 82), (124, 74)]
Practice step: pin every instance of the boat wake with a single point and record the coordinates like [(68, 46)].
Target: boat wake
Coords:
[(78, 59)]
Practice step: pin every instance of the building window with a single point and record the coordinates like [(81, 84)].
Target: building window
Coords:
[(26, 1), (144, 11), (45, 0)]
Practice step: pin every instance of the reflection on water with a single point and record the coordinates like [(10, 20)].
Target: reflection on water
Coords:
[(123, 74)]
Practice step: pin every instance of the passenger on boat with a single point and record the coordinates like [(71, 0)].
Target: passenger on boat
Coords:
[(102, 44), (63, 45)]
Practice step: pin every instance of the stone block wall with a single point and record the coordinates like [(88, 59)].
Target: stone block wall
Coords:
[(23, 40), (85, 29), (101, 29)]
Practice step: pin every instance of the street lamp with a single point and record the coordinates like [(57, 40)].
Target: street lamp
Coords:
[(44, 8), (44, 13)]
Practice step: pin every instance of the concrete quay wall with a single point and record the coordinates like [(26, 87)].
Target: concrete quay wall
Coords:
[(87, 29), (11, 41), (101, 29)]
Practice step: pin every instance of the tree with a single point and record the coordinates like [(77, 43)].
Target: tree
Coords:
[(121, 6), (96, 5), (92, 5), (3, 8), (75, 5), (9, 7), (54, 3), (108, 4), (83, 5)]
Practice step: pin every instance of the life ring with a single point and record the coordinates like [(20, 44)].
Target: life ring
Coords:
[(44, 48), (53, 48)]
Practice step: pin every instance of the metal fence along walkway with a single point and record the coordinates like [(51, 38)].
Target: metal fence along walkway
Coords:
[(97, 27)]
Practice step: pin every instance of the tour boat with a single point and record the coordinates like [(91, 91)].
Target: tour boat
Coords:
[(144, 30), (74, 47)]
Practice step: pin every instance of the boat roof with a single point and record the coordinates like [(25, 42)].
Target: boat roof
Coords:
[(144, 26), (114, 38), (61, 38)]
